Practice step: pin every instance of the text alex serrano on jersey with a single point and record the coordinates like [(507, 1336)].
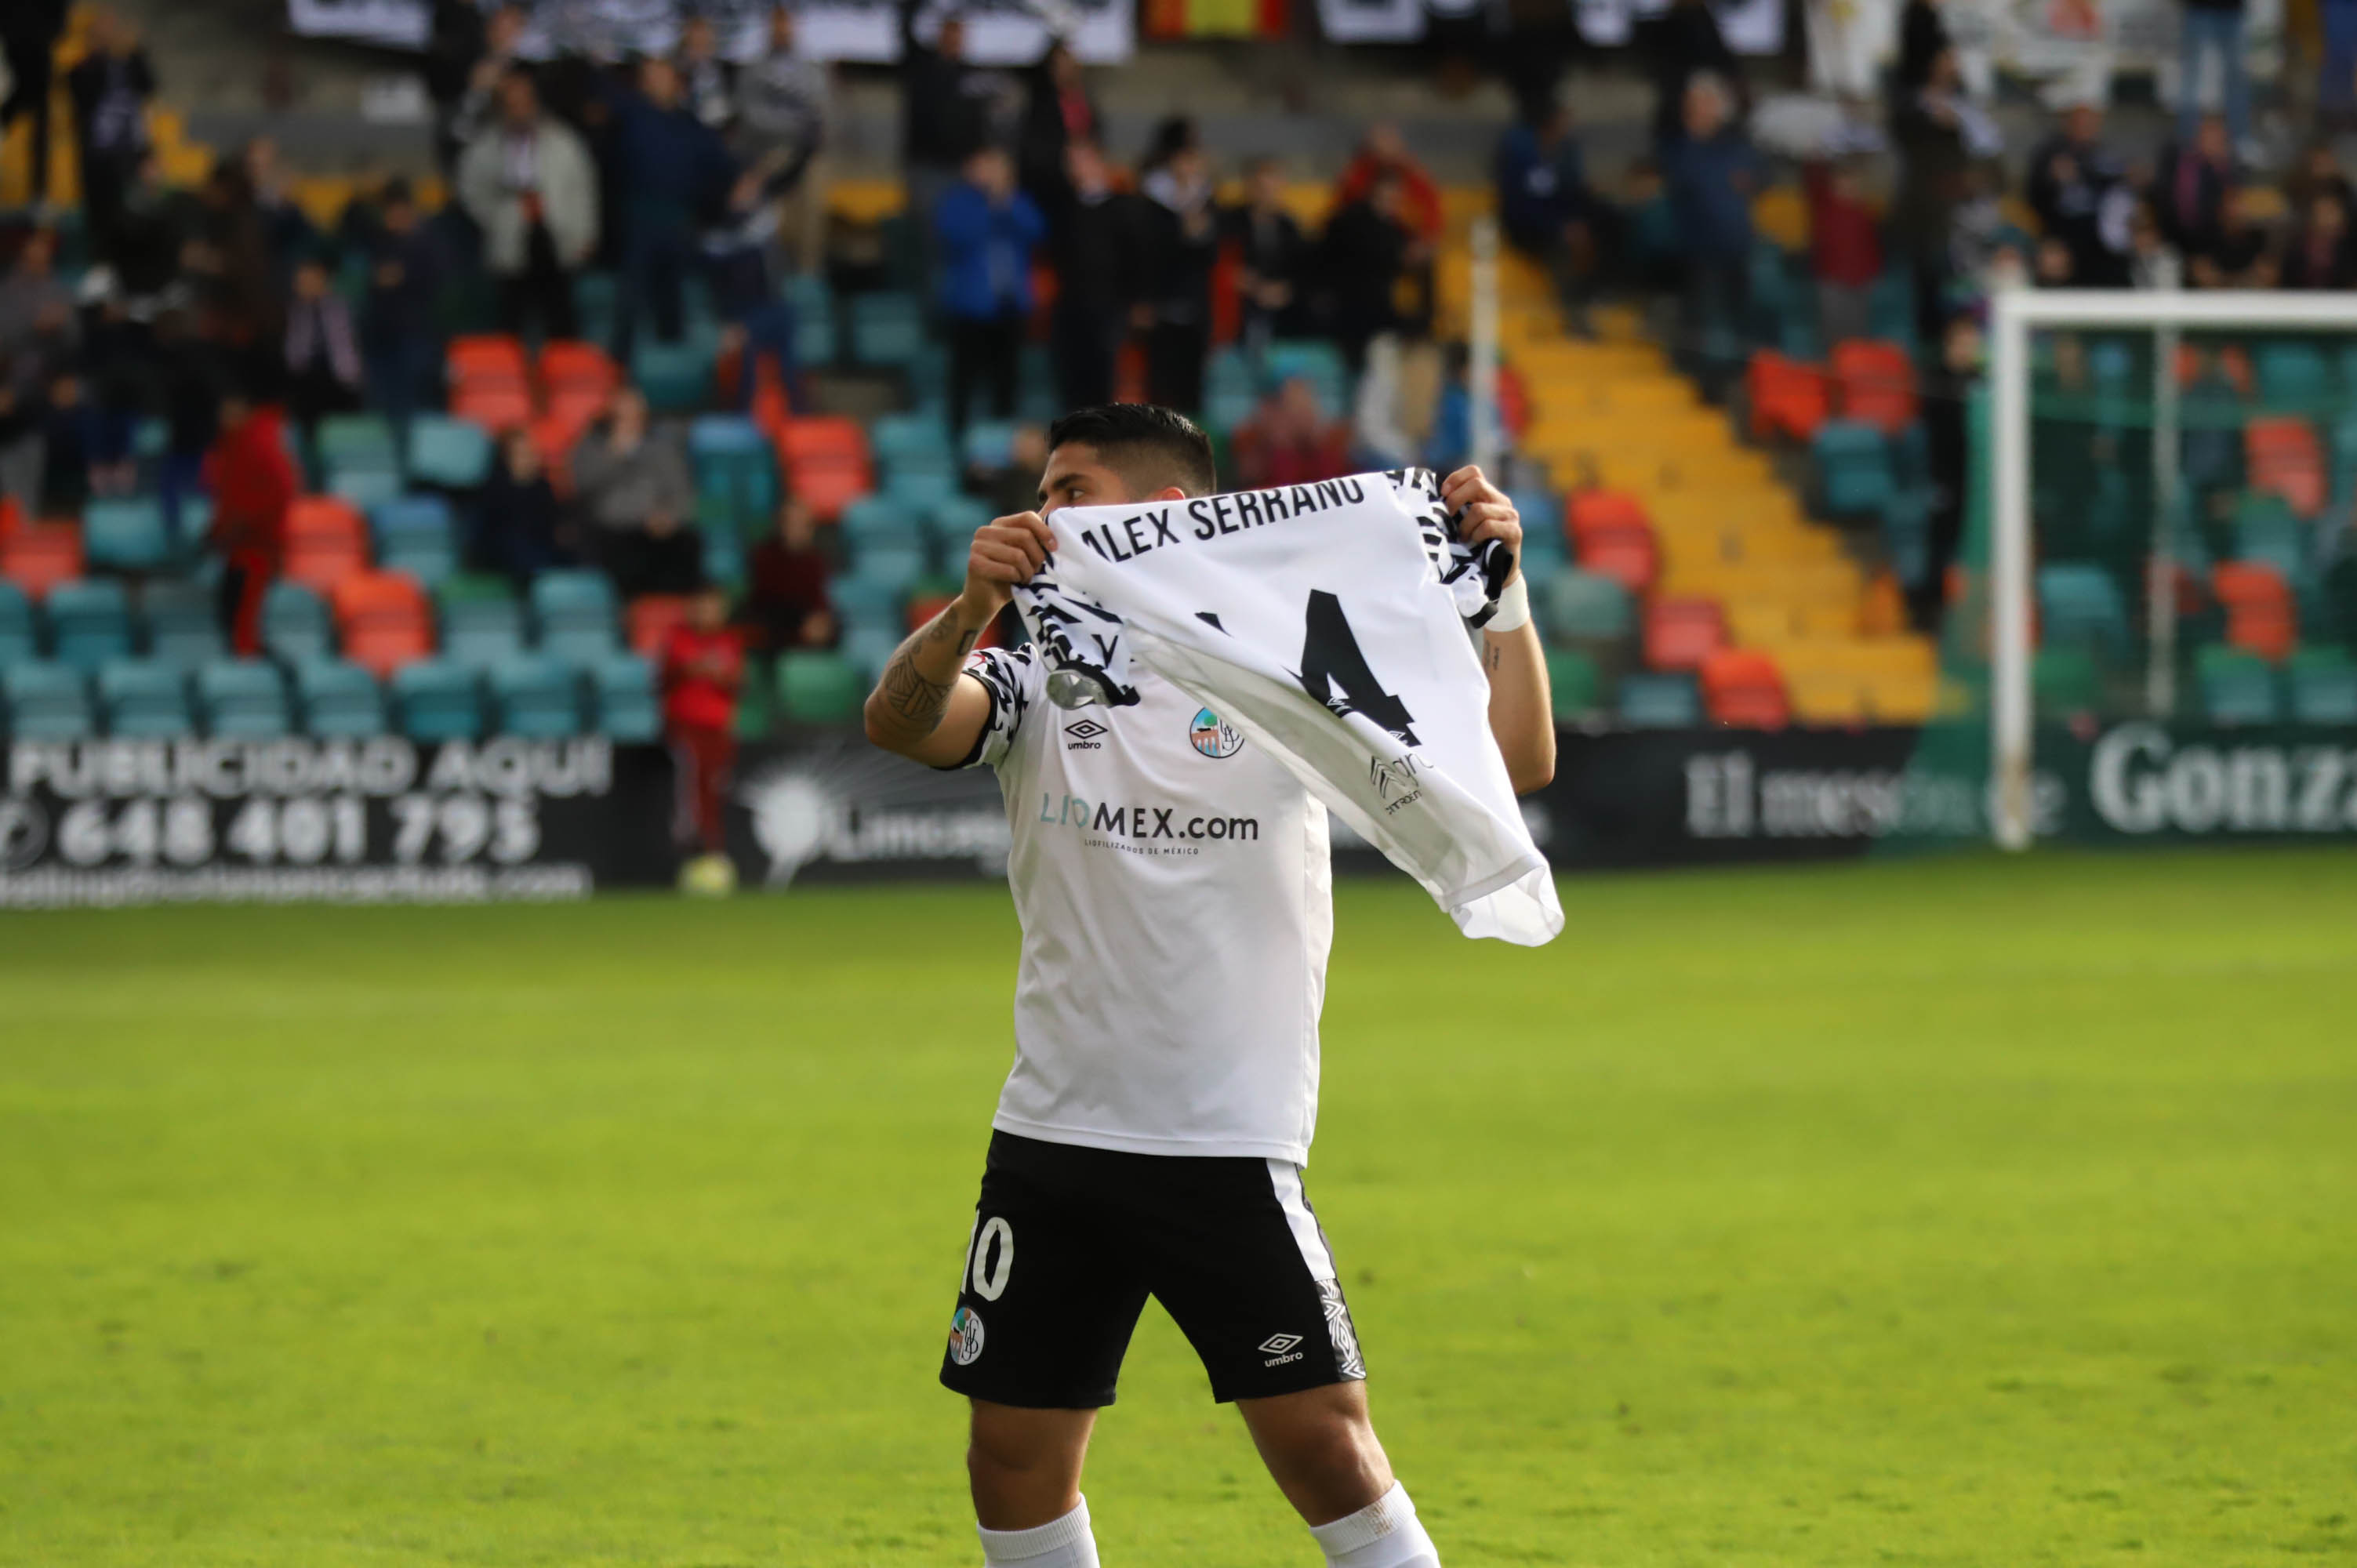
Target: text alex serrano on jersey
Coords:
[(1215, 515)]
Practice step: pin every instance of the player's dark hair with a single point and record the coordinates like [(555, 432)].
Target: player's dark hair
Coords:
[(1149, 445)]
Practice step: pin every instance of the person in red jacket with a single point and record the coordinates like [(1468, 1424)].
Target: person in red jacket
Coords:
[(703, 668), (253, 482), (1845, 251)]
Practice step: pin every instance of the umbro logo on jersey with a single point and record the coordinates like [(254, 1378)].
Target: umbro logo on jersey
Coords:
[(1083, 734), (1280, 1348)]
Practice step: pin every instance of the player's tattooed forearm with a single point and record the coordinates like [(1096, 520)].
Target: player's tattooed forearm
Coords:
[(909, 696), (945, 629)]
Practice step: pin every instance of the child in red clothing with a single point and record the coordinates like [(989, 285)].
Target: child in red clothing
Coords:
[(253, 482), (703, 667)]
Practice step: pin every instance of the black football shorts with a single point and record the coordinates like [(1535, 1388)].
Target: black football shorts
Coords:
[(1067, 1242)]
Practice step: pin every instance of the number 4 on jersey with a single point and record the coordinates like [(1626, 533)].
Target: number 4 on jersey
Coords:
[(1334, 671)]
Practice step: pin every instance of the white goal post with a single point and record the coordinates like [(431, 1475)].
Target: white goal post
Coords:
[(2015, 313)]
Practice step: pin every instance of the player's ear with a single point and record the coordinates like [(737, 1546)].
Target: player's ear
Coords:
[(1168, 493)]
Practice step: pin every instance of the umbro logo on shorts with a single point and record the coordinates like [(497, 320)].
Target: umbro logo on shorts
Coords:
[(1280, 1348)]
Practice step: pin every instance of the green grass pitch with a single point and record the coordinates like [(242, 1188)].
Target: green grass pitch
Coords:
[(1955, 1213)]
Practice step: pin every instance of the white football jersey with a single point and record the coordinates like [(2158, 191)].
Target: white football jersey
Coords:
[(1175, 888)]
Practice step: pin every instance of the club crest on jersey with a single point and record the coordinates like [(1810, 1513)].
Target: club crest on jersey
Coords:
[(1212, 736), (965, 1337)]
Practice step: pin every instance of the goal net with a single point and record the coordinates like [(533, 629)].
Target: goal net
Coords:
[(2150, 620)]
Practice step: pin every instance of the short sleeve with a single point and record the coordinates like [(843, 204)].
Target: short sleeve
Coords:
[(1013, 679)]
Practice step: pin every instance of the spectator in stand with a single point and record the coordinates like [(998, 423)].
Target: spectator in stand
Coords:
[(1712, 173), (703, 668), (672, 169), (520, 532), (110, 88), (2336, 81), (1290, 441), (633, 485), (1845, 250), (192, 373), (2238, 255), (153, 226), (1684, 42), (461, 63), (1421, 209), (287, 234), (784, 103), (1948, 454), (945, 115), (401, 333), (1922, 40), (253, 482), (984, 229), (1274, 260), (1544, 204), (2319, 172), (1367, 249), (323, 355), (2319, 253), (528, 185), (2214, 28), (2081, 193), (227, 261), (786, 601), (759, 321), (29, 43), (1936, 161), (1181, 240), (1059, 112), (707, 81), (2189, 191), (39, 340), (1096, 241)]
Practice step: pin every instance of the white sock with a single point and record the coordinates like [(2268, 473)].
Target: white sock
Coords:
[(1060, 1543), (1383, 1534)]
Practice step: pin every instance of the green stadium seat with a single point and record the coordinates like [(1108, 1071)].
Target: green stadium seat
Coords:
[(1855, 477), (363, 487), (882, 522), (1653, 700), (1585, 606), (919, 487), (295, 625), (2293, 378), (416, 516), (2323, 682), (361, 439), (951, 522), (627, 708), (675, 377), (451, 452), (124, 536), (735, 473), (19, 645), (183, 624), (1575, 684), (538, 698), (2064, 680), (990, 443), (338, 699), (437, 699), (2081, 605), (2237, 688), (427, 559), (820, 688), (892, 568), (144, 699), (870, 647), (89, 623), (896, 435), (888, 329), (480, 631), (243, 699), (574, 612), (45, 701)]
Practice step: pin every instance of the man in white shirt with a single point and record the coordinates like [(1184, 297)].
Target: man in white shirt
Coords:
[(1173, 885)]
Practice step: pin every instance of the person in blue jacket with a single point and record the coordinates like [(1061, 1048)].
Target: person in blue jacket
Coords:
[(675, 172), (1712, 174), (985, 229)]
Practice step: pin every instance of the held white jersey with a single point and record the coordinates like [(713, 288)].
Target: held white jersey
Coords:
[(1175, 890), (1320, 622)]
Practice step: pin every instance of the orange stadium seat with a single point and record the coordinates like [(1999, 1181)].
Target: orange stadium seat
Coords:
[(38, 556), (327, 541), (496, 405), (1584, 511), (823, 437), (1878, 384), (485, 358), (2285, 458), (383, 620), (2260, 614), (1789, 398), (1741, 688), (1682, 634), (577, 368), (650, 621)]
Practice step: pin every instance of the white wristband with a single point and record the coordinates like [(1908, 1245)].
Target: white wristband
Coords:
[(1513, 610)]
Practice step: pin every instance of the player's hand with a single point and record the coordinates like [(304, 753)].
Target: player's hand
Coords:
[(1487, 512), (1009, 551)]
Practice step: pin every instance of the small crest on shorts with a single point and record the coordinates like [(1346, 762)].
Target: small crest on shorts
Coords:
[(965, 1337)]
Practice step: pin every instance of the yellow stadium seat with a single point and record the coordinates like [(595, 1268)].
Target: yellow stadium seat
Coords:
[(866, 202), (1780, 214)]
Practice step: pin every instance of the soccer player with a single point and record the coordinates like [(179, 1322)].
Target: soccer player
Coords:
[(1175, 894)]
